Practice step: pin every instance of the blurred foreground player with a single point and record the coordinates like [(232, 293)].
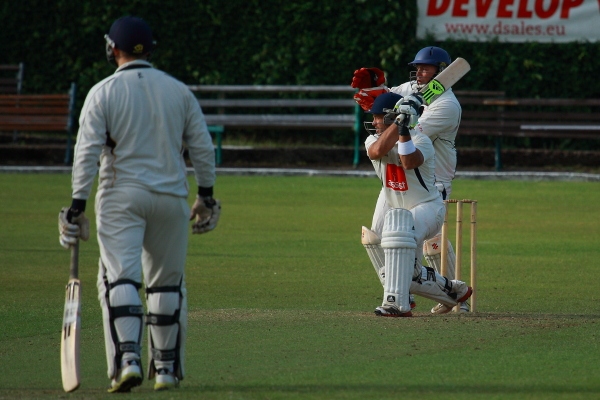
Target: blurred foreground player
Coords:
[(133, 127)]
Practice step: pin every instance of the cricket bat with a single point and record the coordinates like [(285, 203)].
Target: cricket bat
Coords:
[(445, 79), (71, 328)]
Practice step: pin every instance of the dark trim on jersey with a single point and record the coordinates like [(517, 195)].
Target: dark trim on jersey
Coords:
[(420, 178), (135, 66), (110, 142)]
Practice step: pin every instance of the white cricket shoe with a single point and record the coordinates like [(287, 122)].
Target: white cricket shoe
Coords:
[(129, 376), (391, 311), (165, 380)]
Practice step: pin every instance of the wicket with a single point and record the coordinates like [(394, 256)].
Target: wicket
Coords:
[(458, 247)]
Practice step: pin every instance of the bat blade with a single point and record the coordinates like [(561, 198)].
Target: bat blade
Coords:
[(445, 80), (71, 329)]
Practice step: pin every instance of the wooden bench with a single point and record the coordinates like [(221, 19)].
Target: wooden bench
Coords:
[(11, 82), (246, 109), (548, 118), (40, 113), (11, 78)]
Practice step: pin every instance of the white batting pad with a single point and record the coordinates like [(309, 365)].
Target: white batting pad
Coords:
[(128, 328), (398, 242), (433, 286), (372, 244), (432, 249)]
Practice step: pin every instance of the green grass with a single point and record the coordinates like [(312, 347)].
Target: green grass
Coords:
[(281, 296)]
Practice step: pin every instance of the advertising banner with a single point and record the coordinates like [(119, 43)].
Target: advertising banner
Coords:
[(548, 21)]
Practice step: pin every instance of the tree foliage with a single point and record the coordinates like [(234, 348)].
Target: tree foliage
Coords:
[(274, 42)]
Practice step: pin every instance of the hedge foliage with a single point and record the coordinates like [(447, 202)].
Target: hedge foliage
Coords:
[(274, 42)]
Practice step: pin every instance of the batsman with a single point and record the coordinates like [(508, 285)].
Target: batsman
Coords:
[(133, 128), (403, 159), (439, 121)]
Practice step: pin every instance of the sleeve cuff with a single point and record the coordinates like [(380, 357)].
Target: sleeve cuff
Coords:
[(78, 204), (205, 191)]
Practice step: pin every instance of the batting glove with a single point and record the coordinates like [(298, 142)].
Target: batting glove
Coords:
[(72, 227), (206, 211), (409, 109), (367, 78)]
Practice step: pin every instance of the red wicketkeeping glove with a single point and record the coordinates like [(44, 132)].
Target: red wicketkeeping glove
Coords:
[(366, 97), (367, 78)]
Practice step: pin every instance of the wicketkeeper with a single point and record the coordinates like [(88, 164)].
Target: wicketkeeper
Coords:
[(133, 127)]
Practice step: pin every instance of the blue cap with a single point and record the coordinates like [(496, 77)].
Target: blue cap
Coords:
[(132, 35)]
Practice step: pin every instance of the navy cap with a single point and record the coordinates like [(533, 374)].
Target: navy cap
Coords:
[(132, 35), (385, 101)]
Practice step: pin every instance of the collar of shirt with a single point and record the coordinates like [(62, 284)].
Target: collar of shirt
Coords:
[(134, 64)]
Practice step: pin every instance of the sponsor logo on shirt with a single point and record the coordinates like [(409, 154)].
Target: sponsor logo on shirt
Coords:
[(395, 178)]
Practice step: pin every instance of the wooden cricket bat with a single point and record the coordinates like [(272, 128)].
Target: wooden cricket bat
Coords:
[(71, 328), (448, 77)]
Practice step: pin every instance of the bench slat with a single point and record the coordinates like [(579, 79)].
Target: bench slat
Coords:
[(33, 122), (271, 88), (272, 103), (33, 110), (282, 121)]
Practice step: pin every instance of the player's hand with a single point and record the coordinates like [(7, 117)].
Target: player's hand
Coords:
[(366, 97), (410, 104), (367, 78), (206, 212), (71, 227), (409, 109)]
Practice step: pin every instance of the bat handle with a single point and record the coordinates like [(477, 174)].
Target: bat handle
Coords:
[(74, 268)]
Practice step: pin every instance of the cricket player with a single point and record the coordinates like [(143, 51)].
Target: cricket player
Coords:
[(133, 127), (404, 160), (439, 121)]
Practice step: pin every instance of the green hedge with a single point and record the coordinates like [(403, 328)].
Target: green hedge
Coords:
[(274, 42)]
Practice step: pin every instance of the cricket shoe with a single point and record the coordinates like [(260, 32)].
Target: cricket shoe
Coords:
[(391, 311), (165, 380), (411, 300), (128, 377), (466, 292)]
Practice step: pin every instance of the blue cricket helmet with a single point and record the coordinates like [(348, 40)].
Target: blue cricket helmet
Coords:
[(432, 56), (383, 102)]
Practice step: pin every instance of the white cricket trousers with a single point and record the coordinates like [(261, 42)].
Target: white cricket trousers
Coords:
[(142, 232), (142, 237)]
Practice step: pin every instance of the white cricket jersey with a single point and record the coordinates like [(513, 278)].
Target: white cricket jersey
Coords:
[(407, 188), (135, 122), (440, 122)]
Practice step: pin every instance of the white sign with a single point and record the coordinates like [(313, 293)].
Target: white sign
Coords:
[(546, 21)]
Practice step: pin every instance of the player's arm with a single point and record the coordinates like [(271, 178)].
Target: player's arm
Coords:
[(386, 141), (410, 156)]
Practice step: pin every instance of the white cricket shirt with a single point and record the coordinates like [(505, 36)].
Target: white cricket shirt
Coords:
[(407, 188), (440, 122), (135, 123)]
